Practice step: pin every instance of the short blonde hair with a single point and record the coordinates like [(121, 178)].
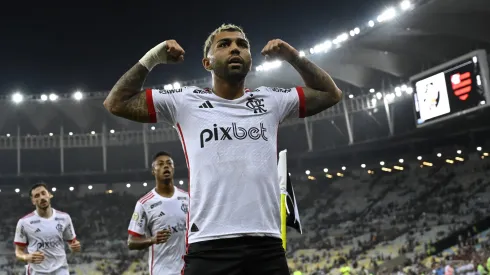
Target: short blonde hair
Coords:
[(222, 28)]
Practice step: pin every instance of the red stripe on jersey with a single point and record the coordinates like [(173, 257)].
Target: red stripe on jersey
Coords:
[(28, 215), (151, 106), (147, 199), (189, 192), (134, 233), (302, 105), (28, 270), (145, 196), (20, 244), (181, 190)]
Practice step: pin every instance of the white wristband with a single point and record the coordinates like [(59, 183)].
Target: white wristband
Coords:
[(157, 55)]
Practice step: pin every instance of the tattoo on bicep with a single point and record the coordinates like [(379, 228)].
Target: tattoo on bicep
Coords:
[(137, 108), (317, 101)]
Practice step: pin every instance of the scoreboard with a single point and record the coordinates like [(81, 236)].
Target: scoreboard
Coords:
[(455, 88)]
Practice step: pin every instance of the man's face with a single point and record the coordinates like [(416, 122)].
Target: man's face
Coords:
[(41, 197), (229, 56), (163, 168)]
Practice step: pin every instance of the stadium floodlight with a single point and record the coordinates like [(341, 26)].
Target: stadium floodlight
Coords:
[(302, 53), (352, 33), (403, 87), (289, 174), (400, 160), (371, 23), (351, 96), (70, 133), (390, 97), (478, 148), (90, 187), (373, 101), (44, 97), (93, 132), (398, 93), (357, 30), (153, 128), (145, 184), (325, 170), (363, 165), (307, 172), (50, 134), (381, 163), (128, 185), (386, 15), (53, 189), (53, 97), (483, 102), (176, 85), (17, 190), (439, 155), (379, 95), (78, 95), (405, 5), (372, 91), (459, 152), (271, 65), (17, 98), (181, 182), (409, 90), (398, 89), (343, 168), (71, 188), (8, 135), (419, 158), (112, 131)]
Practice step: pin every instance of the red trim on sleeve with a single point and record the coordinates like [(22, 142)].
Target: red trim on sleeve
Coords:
[(151, 106), (135, 234), (72, 240), (20, 244), (302, 105)]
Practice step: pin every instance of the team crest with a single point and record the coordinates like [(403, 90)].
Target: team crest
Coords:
[(255, 104), (59, 227), (184, 208)]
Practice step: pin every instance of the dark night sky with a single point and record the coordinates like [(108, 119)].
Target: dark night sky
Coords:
[(48, 46)]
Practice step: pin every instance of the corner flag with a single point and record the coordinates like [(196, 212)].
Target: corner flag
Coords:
[(289, 208)]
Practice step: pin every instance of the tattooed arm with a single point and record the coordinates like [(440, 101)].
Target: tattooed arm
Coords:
[(320, 92), (126, 98)]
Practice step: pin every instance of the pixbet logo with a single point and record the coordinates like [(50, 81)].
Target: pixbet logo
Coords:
[(229, 133)]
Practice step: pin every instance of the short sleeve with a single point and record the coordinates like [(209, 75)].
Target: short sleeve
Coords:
[(69, 232), (139, 221), (163, 105), (20, 234), (290, 101)]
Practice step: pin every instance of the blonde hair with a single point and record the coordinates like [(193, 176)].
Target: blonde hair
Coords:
[(222, 28)]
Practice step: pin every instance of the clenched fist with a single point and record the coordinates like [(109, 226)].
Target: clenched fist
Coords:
[(35, 258), (75, 246), (166, 52), (161, 236), (278, 49)]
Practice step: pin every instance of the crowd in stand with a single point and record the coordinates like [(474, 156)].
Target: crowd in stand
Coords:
[(376, 224)]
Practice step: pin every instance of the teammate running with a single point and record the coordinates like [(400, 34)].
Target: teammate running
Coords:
[(44, 232), (159, 220), (229, 137)]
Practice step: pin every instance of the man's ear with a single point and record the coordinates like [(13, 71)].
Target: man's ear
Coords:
[(206, 63)]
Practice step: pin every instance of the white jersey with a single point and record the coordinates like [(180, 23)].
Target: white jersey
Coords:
[(231, 152), (154, 213), (47, 236)]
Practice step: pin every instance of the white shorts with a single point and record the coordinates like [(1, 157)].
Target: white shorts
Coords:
[(60, 271)]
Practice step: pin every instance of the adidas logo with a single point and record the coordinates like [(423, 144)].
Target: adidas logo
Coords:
[(194, 228), (206, 104), (161, 214), (37, 231)]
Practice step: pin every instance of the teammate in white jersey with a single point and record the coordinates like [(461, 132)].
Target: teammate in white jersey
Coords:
[(159, 220), (229, 137), (44, 233)]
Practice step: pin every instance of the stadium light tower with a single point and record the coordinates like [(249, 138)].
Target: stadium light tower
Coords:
[(53, 97), (17, 98), (78, 95), (176, 85), (405, 5)]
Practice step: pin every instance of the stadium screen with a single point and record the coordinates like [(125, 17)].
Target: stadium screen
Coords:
[(455, 88)]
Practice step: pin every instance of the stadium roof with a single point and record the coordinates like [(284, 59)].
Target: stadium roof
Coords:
[(380, 57)]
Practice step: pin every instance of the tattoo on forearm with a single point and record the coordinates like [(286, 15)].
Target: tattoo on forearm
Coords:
[(314, 76), (126, 98)]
